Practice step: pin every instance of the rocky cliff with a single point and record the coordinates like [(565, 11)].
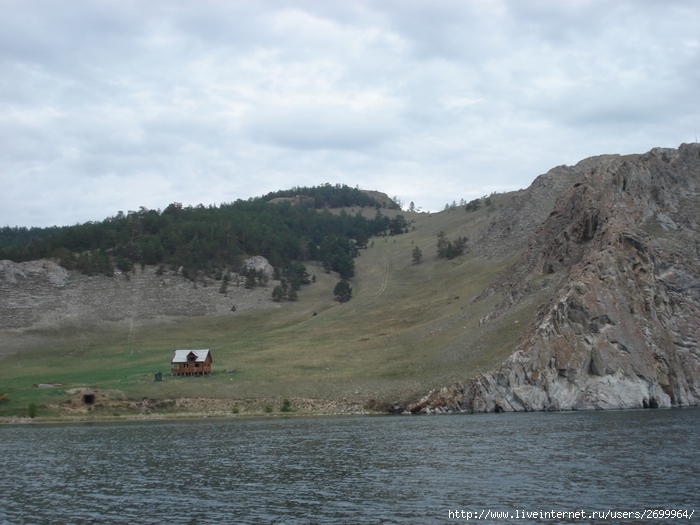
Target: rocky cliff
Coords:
[(528, 208), (622, 329)]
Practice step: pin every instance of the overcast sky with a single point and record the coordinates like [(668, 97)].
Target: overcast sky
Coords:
[(111, 105)]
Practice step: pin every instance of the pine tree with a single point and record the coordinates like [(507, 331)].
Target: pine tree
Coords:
[(278, 293), (346, 267), (342, 291), (417, 255), (442, 244)]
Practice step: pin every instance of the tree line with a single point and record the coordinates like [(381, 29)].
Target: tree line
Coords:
[(13, 235), (209, 238)]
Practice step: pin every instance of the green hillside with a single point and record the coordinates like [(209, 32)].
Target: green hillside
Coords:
[(408, 328)]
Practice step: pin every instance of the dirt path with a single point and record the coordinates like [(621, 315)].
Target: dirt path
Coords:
[(385, 280)]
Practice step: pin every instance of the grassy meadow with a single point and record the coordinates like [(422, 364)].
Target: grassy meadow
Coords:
[(409, 328)]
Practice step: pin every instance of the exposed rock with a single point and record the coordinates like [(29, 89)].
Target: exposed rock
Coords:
[(382, 198), (38, 270), (259, 263), (514, 224), (297, 199), (623, 327), (41, 293), (448, 399)]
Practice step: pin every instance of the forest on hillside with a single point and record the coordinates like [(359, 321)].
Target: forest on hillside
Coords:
[(211, 238), (13, 235)]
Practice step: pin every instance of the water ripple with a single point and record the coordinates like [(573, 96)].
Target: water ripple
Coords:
[(389, 470)]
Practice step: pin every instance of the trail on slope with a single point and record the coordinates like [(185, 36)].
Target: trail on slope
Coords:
[(385, 280)]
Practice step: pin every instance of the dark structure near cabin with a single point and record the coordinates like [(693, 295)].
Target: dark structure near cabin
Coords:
[(191, 362)]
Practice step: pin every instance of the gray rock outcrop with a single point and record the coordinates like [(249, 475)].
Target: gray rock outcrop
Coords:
[(259, 263), (622, 329)]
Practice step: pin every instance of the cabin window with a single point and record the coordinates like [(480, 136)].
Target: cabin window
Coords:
[(186, 365), (196, 365)]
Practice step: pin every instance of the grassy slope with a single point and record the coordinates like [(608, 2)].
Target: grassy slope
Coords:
[(409, 328)]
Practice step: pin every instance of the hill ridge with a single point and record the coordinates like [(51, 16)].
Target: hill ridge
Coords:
[(621, 330)]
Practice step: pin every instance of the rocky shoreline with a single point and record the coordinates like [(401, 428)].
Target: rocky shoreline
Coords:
[(446, 401)]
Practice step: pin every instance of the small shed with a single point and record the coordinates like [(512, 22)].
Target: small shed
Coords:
[(191, 362)]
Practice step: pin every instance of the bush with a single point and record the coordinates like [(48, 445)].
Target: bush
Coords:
[(268, 409), (278, 293), (124, 265), (32, 410), (473, 205), (235, 410), (286, 406), (448, 249)]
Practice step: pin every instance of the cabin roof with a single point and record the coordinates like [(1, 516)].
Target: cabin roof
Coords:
[(180, 356)]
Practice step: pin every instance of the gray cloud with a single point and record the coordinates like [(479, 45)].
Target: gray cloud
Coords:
[(107, 106)]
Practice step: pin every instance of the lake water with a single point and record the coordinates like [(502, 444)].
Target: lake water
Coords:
[(352, 470)]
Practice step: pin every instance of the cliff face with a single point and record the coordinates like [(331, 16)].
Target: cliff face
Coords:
[(511, 228), (622, 329)]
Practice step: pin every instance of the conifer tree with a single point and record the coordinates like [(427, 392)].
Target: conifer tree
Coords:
[(442, 244), (342, 291), (417, 255)]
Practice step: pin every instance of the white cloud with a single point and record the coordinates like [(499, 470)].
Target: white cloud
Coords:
[(112, 105)]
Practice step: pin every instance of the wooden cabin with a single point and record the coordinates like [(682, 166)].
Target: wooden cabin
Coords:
[(191, 362)]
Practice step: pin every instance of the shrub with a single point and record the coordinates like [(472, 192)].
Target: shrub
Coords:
[(268, 409), (32, 410), (235, 410), (286, 406), (278, 293), (473, 205)]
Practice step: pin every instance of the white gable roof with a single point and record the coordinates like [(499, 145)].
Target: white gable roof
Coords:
[(180, 356)]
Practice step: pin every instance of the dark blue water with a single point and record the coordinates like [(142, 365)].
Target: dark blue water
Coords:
[(352, 470)]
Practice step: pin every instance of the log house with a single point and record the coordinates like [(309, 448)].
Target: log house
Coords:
[(191, 362)]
